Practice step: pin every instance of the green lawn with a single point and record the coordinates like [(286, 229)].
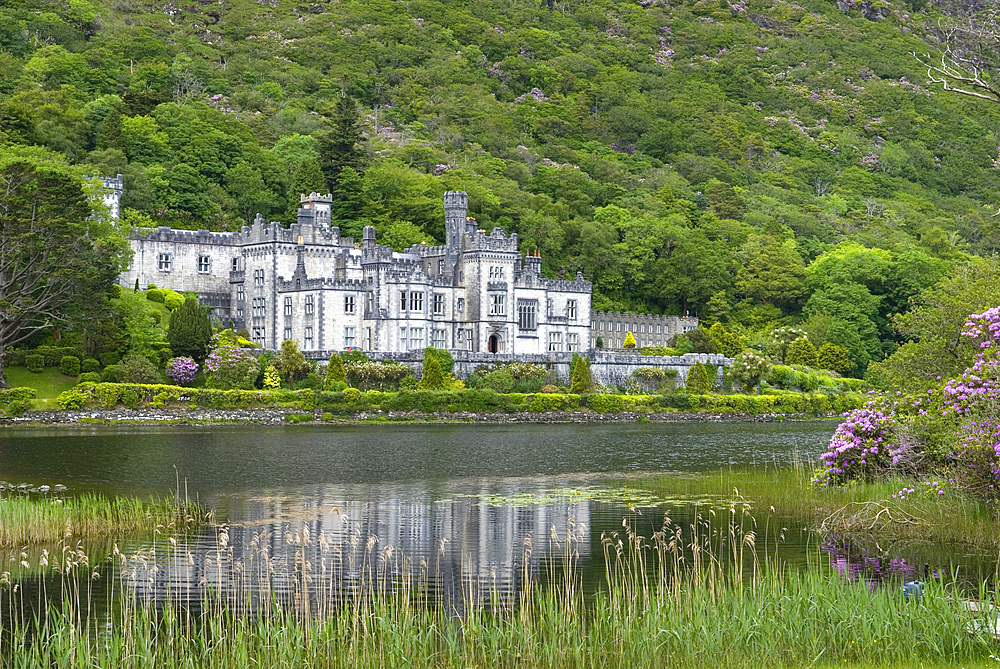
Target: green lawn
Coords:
[(49, 383)]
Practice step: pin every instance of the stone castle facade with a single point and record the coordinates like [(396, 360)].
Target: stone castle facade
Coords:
[(307, 283)]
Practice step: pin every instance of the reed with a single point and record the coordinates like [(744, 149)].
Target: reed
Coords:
[(950, 518), (689, 595), (28, 520)]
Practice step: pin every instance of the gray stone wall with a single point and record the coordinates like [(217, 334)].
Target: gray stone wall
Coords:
[(606, 367)]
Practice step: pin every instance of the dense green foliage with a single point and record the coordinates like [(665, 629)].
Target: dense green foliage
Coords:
[(432, 378), (189, 331), (759, 164)]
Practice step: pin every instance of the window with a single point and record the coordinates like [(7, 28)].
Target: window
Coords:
[(258, 335), (416, 301), (619, 327), (555, 341), (403, 332), (371, 301), (348, 304), (496, 273), (571, 309), (309, 338), (288, 309), (602, 325), (497, 305), (402, 300), (657, 329), (235, 264), (527, 314), (288, 334), (239, 314), (368, 339), (240, 295), (259, 307), (572, 342), (438, 339), (438, 303), (258, 277), (440, 266), (460, 304), (416, 338), (310, 304), (351, 336), (204, 264), (163, 262)]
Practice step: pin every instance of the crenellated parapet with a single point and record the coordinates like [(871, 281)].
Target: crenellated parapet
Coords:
[(172, 236)]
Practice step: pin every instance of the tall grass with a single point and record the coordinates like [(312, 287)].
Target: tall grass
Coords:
[(951, 518), (690, 595), (28, 520)]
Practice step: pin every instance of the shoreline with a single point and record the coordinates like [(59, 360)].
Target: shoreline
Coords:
[(270, 416)]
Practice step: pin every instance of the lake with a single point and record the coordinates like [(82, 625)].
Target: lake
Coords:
[(472, 510)]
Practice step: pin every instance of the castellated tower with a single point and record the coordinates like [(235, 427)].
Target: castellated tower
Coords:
[(456, 206)]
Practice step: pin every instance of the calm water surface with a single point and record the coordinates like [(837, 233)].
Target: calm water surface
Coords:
[(470, 507)]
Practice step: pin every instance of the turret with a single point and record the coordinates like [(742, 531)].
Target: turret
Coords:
[(456, 206)]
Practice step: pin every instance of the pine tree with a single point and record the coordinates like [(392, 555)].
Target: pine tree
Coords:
[(189, 331), (433, 378), (629, 340), (339, 143), (579, 375), (136, 289), (335, 374), (697, 380)]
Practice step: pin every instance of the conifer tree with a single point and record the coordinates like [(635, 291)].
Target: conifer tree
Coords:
[(697, 380), (335, 373), (190, 331), (579, 375), (339, 144), (433, 378), (834, 357), (629, 340)]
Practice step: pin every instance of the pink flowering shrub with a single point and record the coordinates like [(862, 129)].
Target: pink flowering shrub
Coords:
[(182, 370), (230, 367), (953, 431)]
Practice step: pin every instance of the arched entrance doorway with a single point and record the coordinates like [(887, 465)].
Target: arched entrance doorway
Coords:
[(493, 345)]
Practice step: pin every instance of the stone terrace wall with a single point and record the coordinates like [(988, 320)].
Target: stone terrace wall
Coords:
[(606, 367)]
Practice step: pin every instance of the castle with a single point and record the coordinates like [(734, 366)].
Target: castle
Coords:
[(306, 283)]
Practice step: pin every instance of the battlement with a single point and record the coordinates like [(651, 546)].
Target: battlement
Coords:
[(456, 199), (172, 235)]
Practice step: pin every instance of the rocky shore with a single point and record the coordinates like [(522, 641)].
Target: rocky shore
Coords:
[(200, 416)]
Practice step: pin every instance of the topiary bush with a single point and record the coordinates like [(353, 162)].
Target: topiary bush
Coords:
[(70, 365), (89, 377), (801, 352), (155, 295), (73, 398), (110, 358), (35, 363), (90, 365), (173, 300), (697, 380)]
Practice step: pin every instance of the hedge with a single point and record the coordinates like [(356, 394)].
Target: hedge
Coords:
[(351, 401), (51, 355)]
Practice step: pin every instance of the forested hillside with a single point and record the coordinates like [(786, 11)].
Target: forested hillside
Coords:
[(756, 163)]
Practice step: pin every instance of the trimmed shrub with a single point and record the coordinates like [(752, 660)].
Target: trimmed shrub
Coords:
[(579, 375), (172, 300), (90, 365), (89, 377), (138, 369), (801, 352), (155, 295), (629, 341), (834, 357), (112, 374), (70, 365), (272, 380), (110, 358), (73, 398), (34, 362)]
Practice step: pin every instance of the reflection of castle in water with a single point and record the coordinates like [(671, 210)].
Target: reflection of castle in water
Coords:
[(461, 552)]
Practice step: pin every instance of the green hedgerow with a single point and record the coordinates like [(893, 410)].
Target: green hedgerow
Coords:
[(35, 363)]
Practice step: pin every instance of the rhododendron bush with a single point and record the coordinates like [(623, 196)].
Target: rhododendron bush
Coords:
[(953, 431)]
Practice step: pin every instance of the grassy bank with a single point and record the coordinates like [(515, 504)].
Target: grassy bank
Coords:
[(924, 515), (686, 614), (48, 384), (31, 521)]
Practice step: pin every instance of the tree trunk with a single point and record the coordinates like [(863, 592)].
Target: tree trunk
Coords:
[(3, 380)]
